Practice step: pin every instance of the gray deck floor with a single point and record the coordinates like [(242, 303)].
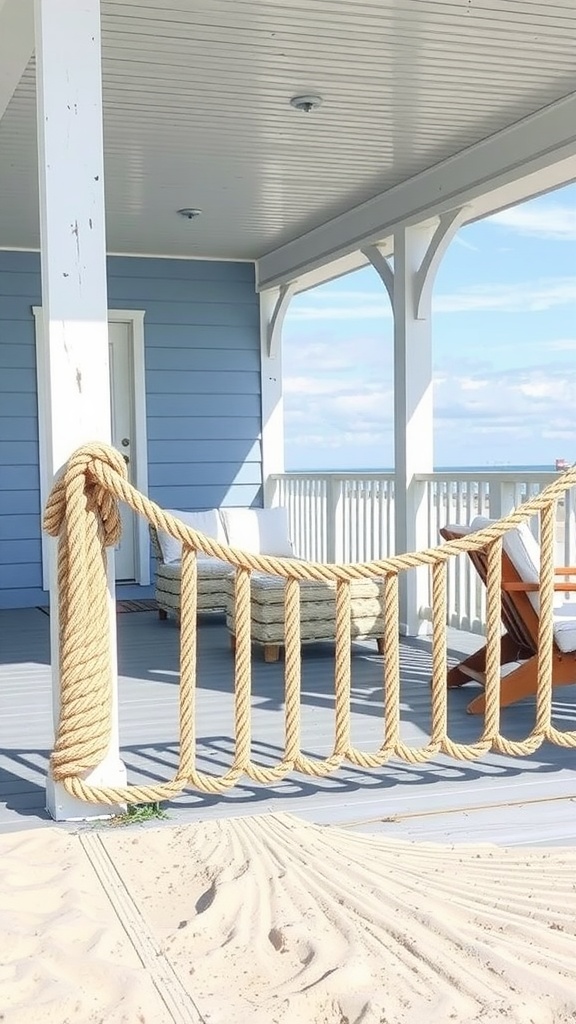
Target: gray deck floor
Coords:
[(497, 799)]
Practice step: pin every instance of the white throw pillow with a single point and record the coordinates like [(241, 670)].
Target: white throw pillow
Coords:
[(207, 522), (260, 531)]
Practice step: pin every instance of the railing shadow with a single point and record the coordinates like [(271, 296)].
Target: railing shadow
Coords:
[(146, 642)]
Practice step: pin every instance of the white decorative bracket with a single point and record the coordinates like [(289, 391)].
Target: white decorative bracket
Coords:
[(448, 225), (383, 268), (277, 319)]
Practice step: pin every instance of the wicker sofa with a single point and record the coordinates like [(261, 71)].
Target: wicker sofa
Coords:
[(260, 531)]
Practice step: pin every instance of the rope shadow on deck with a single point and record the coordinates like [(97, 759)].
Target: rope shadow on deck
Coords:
[(83, 512)]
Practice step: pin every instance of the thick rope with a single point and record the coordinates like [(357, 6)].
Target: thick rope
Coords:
[(82, 511)]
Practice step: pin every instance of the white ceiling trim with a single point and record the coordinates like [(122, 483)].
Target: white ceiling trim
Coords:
[(513, 160), (16, 45)]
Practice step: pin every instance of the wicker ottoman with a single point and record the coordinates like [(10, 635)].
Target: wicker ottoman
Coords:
[(317, 611), (212, 573)]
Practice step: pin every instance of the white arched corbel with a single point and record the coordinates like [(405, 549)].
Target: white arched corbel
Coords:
[(274, 332), (449, 223), (382, 266)]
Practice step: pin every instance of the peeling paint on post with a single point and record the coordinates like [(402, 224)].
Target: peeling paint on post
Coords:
[(74, 294)]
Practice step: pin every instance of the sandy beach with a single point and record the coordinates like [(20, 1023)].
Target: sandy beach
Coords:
[(269, 920)]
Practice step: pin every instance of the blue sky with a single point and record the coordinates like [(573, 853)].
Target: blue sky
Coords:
[(504, 350)]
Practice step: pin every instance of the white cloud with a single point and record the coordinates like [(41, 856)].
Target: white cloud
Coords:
[(465, 244), (339, 394), (563, 345), (523, 297), (539, 389), (526, 297), (471, 384), (551, 221), (371, 308), (365, 404), (312, 385)]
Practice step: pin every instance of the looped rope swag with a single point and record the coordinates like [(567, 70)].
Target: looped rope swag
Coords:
[(82, 511)]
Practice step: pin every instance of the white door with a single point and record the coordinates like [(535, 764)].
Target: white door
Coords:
[(123, 435)]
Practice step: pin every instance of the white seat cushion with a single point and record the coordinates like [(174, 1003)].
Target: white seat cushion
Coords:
[(565, 626), (523, 551)]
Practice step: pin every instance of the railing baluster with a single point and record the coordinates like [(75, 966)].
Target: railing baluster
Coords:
[(336, 517)]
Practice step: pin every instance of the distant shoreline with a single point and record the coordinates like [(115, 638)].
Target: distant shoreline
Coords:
[(548, 468)]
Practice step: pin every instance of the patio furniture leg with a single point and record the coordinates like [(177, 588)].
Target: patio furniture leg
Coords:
[(380, 644), (475, 664), (271, 652), (162, 613), (232, 642), (523, 680)]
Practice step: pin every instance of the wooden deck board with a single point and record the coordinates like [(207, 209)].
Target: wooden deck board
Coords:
[(528, 800)]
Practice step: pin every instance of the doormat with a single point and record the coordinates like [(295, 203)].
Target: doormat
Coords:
[(121, 607)]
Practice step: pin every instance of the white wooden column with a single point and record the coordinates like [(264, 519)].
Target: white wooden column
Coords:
[(74, 298), (418, 251), (413, 417), (273, 305)]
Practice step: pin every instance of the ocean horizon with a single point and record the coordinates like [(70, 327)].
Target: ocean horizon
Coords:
[(503, 467)]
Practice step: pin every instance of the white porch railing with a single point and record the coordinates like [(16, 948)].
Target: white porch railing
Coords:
[(338, 518), (349, 517)]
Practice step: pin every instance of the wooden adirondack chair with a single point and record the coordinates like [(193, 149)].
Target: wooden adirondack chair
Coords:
[(520, 607)]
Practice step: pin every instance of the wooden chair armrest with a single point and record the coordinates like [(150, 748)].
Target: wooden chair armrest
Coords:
[(565, 570), (528, 588)]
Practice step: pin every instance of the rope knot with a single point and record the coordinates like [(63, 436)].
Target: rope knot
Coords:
[(78, 488)]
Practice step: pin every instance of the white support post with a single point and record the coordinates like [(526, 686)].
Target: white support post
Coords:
[(74, 298), (418, 251), (335, 520), (272, 309), (413, 418), (502, 498)]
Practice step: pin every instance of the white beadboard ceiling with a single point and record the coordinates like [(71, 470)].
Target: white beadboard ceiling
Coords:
[(197, 112)]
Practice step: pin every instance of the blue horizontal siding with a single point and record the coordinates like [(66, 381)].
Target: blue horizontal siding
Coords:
[(15, 527), (202, 373), (174, 291), (22, 597), (15, 354), (19, 380), (22, 575), (18, 332), (188, 382), (15, 285), (21, 502), (18, 453), (212, 336), (16, 307), (198, 428), (216, 314), (202, 405), (210, 360), (223, 474), (225, 451), (189, 270), (18, 428), (18, 403), (19, 478), (20, 552), (190, 497)]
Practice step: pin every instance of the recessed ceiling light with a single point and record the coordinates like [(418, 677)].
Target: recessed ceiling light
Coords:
[(190, 213), (306, 104)]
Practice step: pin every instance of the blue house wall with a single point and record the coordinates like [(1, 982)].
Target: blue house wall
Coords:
[(202, 359)]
